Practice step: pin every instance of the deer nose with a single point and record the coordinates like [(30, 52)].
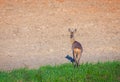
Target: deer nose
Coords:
[(71, 36)]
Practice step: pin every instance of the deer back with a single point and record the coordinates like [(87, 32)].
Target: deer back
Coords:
[(77, 45)]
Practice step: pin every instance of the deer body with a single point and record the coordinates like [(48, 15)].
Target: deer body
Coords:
[(76, 48)]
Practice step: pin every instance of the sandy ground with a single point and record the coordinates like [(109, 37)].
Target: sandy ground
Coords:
[(34, 33)]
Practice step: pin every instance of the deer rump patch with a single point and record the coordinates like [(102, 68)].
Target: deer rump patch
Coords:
[(77, 53)]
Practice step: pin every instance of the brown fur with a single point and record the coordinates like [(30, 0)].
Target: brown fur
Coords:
[(76, 48)]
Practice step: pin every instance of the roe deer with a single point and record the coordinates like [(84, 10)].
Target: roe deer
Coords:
[(76, 48)]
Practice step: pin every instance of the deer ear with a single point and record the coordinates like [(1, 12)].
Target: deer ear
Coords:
[(75, 30), (69, 30)]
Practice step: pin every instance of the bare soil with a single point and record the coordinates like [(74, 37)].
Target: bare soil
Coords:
[(34, 33)]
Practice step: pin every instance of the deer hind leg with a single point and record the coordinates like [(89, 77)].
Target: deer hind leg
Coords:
[(75, 58), (78, 59), (79, 56)]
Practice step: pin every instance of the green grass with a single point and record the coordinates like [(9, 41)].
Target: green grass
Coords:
[(99, 72)]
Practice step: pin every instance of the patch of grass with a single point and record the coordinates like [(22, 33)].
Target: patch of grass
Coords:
[(99, 72)]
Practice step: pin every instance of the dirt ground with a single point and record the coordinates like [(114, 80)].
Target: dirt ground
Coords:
[(34, 33)]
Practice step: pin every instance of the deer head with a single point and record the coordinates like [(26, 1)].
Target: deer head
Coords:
[(72, 31)]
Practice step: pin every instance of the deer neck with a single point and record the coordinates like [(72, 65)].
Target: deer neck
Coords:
[(72, 40)]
